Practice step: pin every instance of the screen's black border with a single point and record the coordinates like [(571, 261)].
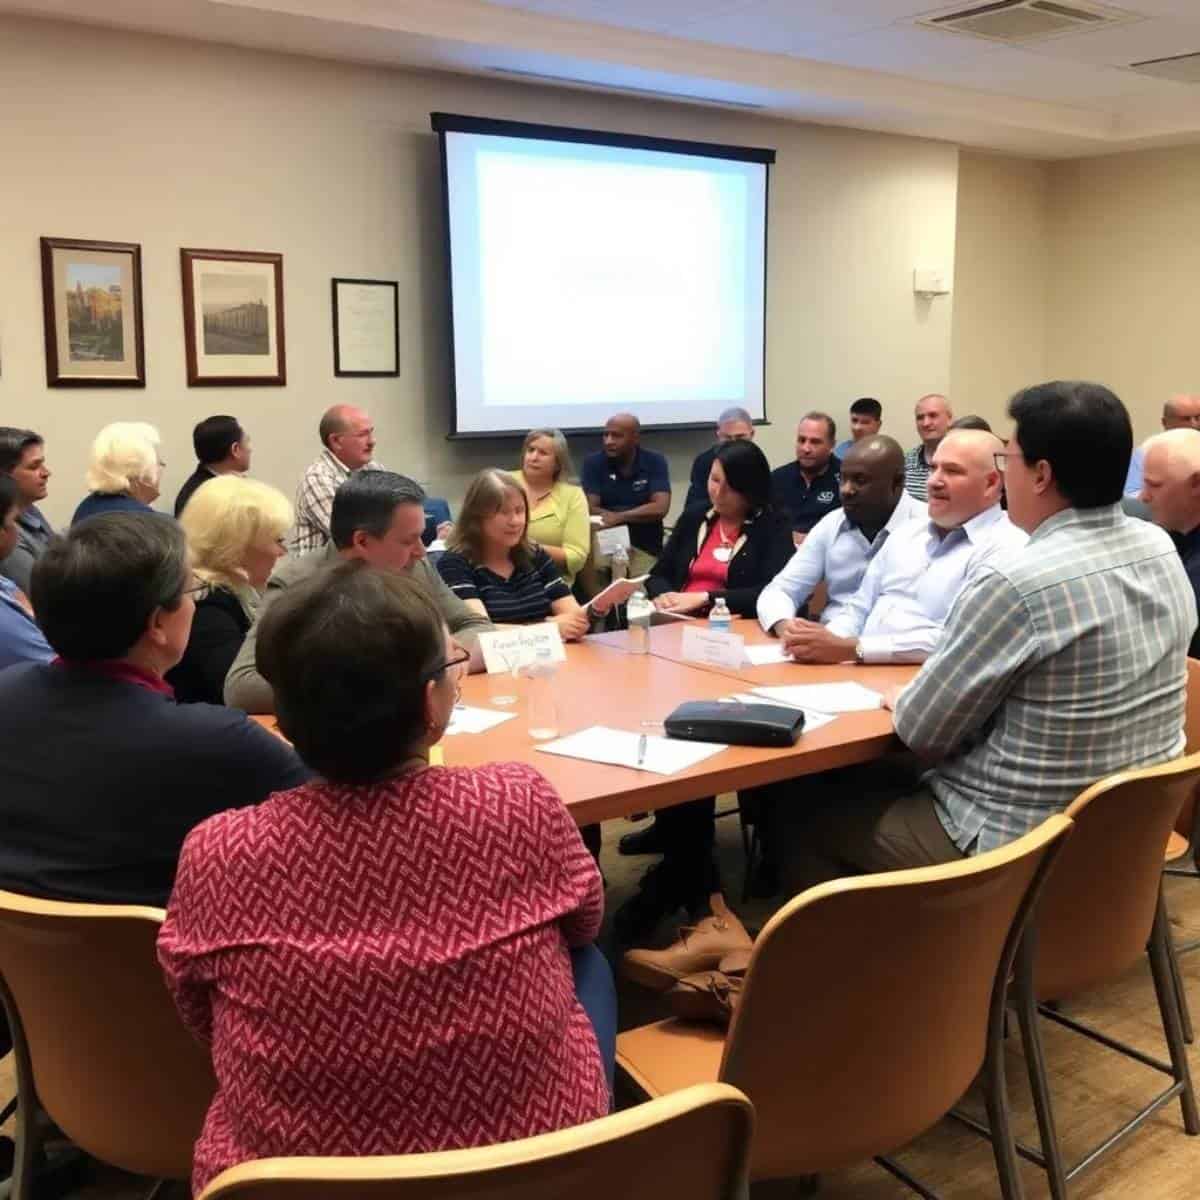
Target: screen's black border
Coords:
[(443, 123)]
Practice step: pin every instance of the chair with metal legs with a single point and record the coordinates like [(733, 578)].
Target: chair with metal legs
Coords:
[(856, 1031), (1100, 910)]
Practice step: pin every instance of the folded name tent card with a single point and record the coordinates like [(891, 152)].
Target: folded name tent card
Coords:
[(619, 747), (518, 645), (712, 647), (825, 697)]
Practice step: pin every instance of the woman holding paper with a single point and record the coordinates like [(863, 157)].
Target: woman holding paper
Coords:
[(390, 931), (491, 565), (731, 550), (558, 510)]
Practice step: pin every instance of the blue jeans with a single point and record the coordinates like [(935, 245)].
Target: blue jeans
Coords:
[(595, 990)]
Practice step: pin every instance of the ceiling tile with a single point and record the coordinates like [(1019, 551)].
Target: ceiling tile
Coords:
[(1120, 45), (789, 27)]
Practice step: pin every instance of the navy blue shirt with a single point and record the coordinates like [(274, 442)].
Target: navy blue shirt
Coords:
[(526, 595), (1188, 545), (698, 485), (96, 503), (618, 493), (807, 503)]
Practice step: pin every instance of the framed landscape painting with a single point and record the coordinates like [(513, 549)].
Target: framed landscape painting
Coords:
[(92, 310), (233, 317)]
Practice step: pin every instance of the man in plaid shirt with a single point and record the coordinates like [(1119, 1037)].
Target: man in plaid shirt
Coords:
[(348, 435), (1061, 663)]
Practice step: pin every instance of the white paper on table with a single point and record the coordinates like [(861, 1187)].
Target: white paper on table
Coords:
[(760, 656), (518, 645), (617, 592), (467, 719), (713, 647), (608, 541), (825, 697), (812, 718), (664, 756)]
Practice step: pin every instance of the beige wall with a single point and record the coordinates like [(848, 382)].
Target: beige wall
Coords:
[(171, 144), (1001, 282), (1123, 301)]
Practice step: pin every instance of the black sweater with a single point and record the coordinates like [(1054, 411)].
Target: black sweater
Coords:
[(761, 553)]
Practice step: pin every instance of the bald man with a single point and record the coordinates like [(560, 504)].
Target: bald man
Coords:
[(1181, 411), (842, 543), (1171, 490), (626, 484), (348, 437), (933, 416), (898, 612)]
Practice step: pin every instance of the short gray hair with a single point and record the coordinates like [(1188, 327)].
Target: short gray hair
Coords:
[(124, 453), (734, 414), (564, 468)]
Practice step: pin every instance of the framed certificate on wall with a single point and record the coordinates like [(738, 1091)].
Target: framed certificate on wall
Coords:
[(366, 327)]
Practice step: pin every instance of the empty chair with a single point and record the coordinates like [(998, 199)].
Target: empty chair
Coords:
[(98, 1043), (693, 1144), (857, 1028)]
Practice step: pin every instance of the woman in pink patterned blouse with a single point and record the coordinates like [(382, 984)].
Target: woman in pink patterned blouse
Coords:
[(381, 959)]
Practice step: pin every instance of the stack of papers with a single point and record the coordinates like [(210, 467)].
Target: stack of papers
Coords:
[(663, 756), (466, 719), (825, 697)]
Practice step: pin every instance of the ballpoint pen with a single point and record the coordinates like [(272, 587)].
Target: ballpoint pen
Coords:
[(641, 750)]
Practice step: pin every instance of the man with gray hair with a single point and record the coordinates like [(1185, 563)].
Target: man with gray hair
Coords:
[(733, 425), (1171, 490), (348, 437), (1181, 411), (377, 516)]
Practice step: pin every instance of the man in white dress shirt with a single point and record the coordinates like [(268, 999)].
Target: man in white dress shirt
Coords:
[(842, 543), (899, 610)]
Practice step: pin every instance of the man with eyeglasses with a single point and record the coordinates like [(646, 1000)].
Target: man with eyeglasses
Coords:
[(348, 436), (1060, 664), (378, 517)]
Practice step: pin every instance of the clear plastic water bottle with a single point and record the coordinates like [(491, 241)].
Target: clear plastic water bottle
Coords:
[(637, 613), (720, 618), (620, 563), (543, 708)]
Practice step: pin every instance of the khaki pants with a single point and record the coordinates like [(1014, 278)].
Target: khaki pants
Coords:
[(876, 817)]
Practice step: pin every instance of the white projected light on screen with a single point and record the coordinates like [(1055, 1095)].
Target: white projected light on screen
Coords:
[(588, 278)]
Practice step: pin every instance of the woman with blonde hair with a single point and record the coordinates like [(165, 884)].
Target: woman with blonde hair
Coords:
[(124, 470), (235, 529), (558, 510), (492, 566)]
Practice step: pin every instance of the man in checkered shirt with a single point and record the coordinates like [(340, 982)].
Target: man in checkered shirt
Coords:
[(1061, 663), (348, 435)]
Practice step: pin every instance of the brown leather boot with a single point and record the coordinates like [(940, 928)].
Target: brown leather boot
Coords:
[(708, 996), (697, 948)]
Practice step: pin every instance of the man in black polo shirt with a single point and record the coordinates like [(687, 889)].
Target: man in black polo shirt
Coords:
[(809, 488), (627, 485)]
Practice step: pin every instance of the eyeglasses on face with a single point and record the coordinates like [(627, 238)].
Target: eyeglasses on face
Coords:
[(1000, 458), (457, 661), (195, 587)]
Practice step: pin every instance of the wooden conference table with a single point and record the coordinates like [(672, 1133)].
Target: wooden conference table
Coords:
[(602, 683)]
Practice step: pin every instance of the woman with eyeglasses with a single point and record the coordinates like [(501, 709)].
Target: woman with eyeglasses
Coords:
[(396, 957), (235, 529)]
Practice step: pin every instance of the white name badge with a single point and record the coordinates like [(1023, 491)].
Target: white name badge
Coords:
[(713, 648), (511, 649), (608, 541)]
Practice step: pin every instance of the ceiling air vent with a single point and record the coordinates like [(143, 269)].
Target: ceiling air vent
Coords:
[(1020, 21), (1183, 68)]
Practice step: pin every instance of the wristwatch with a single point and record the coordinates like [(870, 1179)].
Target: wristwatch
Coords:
[(858, 652)]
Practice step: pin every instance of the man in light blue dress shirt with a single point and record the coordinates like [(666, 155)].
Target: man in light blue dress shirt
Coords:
[(842, 543), (898, 612)]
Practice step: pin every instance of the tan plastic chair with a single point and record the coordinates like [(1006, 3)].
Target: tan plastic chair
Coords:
[(869, 1007), (1100, 911), (99, 1045), (693, 1144)]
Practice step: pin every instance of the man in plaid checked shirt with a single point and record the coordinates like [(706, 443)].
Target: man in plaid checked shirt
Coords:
[(348, 435), (1061, 663)]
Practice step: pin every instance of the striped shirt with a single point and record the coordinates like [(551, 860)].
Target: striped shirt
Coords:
[(1060, 664), (916, 473), (314, 500), (526, 595)]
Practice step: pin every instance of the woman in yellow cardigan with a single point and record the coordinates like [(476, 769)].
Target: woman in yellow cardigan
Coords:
[(558, 510)]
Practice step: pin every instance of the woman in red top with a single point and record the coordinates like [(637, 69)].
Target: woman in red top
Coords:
[(731, 548), (381, 958)]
